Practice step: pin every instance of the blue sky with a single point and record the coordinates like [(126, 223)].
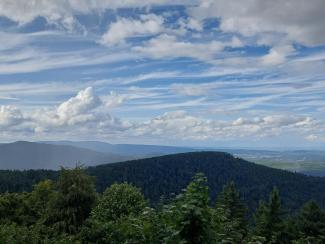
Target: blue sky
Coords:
[(205, 73)]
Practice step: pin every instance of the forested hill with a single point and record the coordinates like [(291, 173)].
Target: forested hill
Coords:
[(165, 175)]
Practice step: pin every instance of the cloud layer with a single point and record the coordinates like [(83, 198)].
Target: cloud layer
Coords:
[(88, 113), (163, 71)]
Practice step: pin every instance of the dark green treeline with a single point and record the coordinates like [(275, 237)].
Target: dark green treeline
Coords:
[(70, 211)]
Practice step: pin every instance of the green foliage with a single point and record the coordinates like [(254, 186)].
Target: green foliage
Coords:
[(67, 211), (43, 193), (311, 221), (15, 209), (192, 214), (268, 218), (168, 175), (119, 200), (15, 234), (117, 216), (74, 200), (230, 216), (144, 228)]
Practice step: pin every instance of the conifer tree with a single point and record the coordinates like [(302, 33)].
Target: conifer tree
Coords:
[(268, 219), (311, 222), (74, 201), (230, 216), (195, 225)]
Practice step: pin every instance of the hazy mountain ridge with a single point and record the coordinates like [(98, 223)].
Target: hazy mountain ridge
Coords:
[(32, 155), (134, 150), (39, 155), (54, 154)]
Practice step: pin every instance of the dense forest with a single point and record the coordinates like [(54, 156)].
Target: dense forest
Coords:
[(70, 210), (167, 175)]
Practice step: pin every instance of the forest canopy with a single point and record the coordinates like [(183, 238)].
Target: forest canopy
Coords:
[(167, 175), (70, 210)]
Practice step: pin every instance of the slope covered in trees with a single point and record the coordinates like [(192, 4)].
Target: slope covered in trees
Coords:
[(70, 211), (167, 175)]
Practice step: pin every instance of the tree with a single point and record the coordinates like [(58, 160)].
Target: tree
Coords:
[(191, 212), (43, 193), (311, 221), (230, 216), (119, 200), (268, 219), (117, 216), (74, 200), (15, 209), (145, 228)]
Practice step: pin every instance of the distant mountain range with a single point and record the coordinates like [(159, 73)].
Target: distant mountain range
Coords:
[(167, 175), (32, 155), (53, 154), (132, 150)]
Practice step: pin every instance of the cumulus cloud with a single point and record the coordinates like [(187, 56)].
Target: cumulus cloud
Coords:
[(194, 24), (86, 112), (114, 99), (125, 28), (10, 116), (189, 24), (84, 101), (296, 20), (175, 124), (277, 55), (180, 125)]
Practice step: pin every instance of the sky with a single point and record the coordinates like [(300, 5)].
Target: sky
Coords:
[(217, 73)]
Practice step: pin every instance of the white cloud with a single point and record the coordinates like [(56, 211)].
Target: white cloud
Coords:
[(180, 125), (277, 55), (63, 11), (174, 125), (10, 116), (189, 24), (87, 114), (200, 89), (125, 28), (34, 60), (114, 99), (194, 24), (167, 46), (76, 108), (312, 137), (296, 20)]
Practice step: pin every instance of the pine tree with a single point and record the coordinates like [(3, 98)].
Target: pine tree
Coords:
[(195, 215), (268, 219), (311, 221), (230, 216), (74, 200)]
